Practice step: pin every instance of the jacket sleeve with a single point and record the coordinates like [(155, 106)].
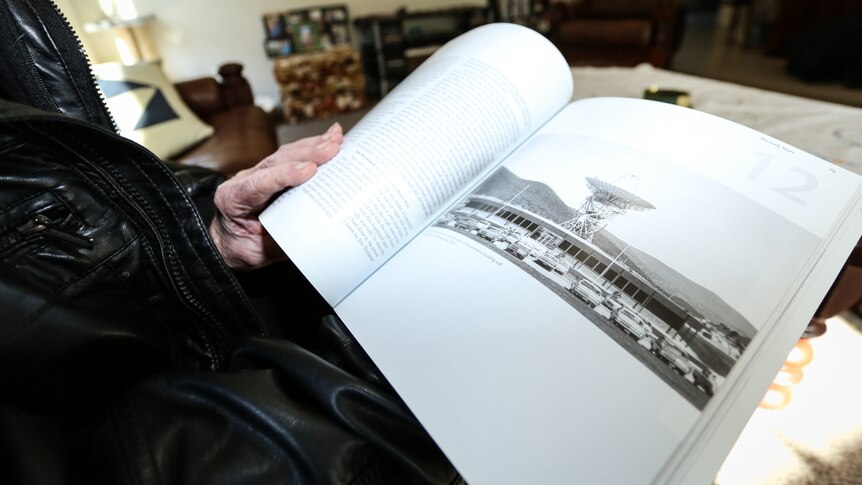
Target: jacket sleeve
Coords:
[(200, 183)]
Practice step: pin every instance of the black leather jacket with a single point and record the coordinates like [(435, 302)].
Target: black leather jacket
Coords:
[(129, 352)]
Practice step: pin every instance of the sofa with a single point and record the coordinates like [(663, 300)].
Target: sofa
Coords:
[(243, 134), (617, 32)]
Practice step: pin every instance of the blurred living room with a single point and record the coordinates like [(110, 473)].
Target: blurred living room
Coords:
[(245, 77)]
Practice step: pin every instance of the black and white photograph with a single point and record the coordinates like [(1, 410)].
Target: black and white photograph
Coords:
[(596, 234)]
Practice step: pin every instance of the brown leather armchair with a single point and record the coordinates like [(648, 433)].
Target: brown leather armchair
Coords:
[(244, 133), (617, 32), (845, 294)]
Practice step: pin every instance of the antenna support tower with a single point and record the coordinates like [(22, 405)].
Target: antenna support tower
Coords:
[(606, 202)]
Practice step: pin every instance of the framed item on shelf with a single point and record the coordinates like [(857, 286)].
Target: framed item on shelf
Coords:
[(279, 47), (278, 42), (336, 27), (306, 30), (306, 36), (275, 26)]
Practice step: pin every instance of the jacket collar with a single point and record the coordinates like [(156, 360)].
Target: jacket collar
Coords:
[(43, 64)]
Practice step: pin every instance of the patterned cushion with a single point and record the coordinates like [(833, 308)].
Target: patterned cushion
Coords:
[(148, 109)]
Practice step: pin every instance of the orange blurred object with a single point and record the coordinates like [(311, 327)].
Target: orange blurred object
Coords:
[(780, 392)]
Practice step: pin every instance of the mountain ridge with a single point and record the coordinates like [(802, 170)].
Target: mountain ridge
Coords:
[(542, 200)]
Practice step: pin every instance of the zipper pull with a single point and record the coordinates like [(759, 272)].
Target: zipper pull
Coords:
[(42, 225)]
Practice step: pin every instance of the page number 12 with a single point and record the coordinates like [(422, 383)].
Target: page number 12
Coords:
[(807, 181)]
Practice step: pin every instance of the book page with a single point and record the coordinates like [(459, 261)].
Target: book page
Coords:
[(592, 305), (708, 447), (467, 106)]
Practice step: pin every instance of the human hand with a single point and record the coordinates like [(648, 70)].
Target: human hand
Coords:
[(236, 231)]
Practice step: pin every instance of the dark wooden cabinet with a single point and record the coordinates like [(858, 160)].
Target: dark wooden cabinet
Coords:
[(393, 45)]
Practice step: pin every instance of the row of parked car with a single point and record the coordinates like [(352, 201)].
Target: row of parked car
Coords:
[(667, 348)]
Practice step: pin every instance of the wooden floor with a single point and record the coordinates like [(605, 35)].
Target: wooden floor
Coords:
[(706, 52)]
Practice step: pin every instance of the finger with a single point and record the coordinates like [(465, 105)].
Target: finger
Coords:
[(324, 147), (334, 131), (250, 193), (251, 188), (318, 149)]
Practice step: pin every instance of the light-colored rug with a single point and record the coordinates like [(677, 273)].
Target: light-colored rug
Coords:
[(817, 437)]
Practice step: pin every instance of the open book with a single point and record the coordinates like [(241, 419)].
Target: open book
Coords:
[(594, 292)]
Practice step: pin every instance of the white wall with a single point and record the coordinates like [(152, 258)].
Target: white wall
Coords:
[(195, 36), (69, 9)]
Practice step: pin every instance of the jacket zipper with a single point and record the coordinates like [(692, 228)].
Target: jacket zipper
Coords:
[(93, 79), (38, 225), (215, 336), (214, 340)]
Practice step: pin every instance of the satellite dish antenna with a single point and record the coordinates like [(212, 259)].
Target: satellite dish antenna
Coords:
[(608, 200)]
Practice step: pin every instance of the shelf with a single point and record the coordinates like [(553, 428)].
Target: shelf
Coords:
[(106, 24), (395, 44)]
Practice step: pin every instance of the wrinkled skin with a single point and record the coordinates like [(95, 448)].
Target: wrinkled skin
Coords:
[(235, 229)]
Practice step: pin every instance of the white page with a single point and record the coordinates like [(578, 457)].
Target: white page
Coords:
[(460, 112), (709, 449), (512, 384), (517, 381)]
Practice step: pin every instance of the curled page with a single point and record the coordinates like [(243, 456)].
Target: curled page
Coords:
[(461, 112)]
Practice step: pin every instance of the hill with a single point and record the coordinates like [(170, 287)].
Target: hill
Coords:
[(540, 199)]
